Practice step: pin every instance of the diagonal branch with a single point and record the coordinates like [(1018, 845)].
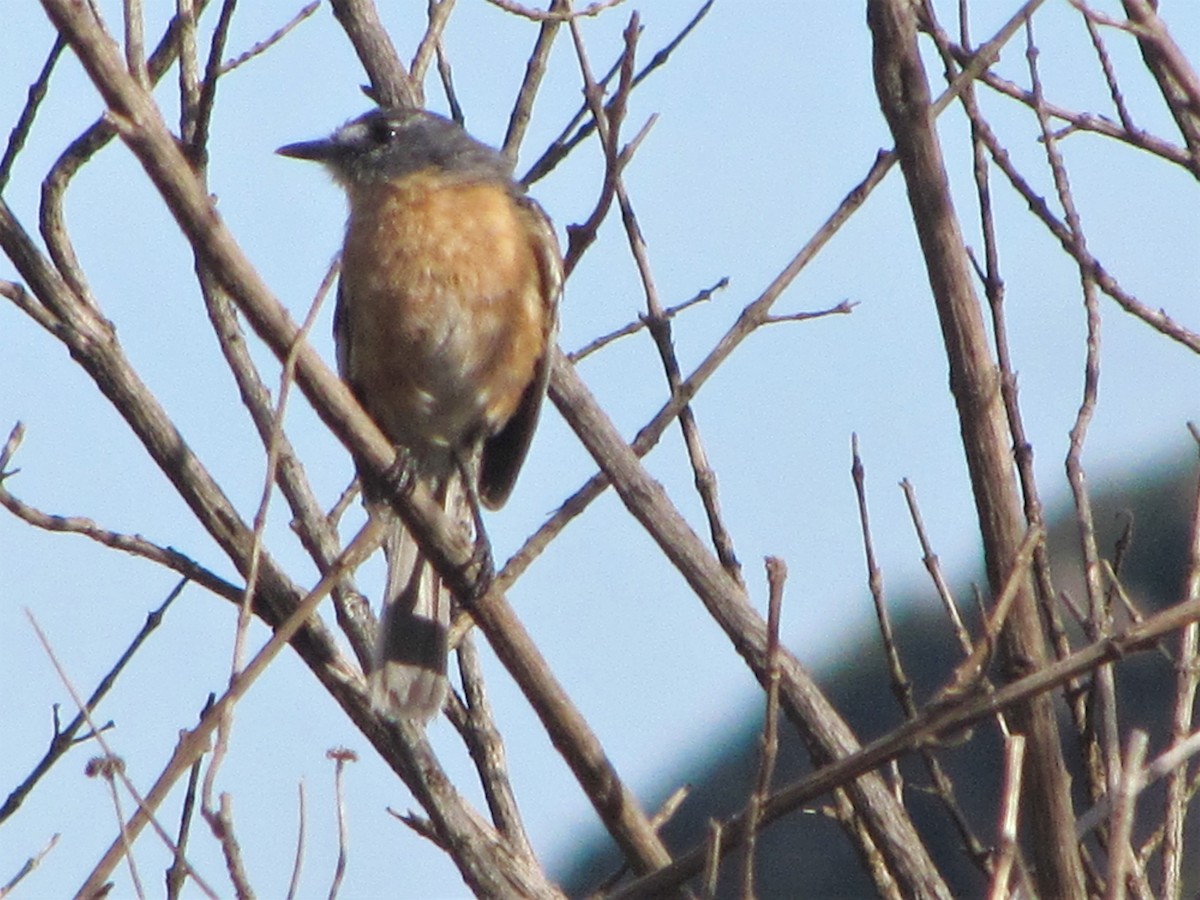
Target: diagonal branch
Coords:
[(828, 737), (974, 380), (949, 713)]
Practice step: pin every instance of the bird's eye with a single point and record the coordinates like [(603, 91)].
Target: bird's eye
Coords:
[(383, 131)]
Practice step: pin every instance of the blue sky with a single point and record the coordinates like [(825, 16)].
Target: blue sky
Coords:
[(764, 123)]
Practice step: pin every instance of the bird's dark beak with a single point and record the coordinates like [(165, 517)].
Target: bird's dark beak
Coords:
[(318, 151)]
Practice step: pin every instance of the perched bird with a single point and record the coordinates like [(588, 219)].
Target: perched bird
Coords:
[(447, 304)]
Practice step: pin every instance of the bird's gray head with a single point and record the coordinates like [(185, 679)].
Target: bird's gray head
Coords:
[(386, 144)]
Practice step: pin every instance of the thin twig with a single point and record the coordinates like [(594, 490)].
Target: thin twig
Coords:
[(51, 217), (195, 742), (438, 16), (933, 566), (1010, 810), (128, 833), (301, 825), (947, 714), (662, 815), (179, 871), (30, 864), (1101, 744), (486, 746), (634, 327), (712, 859), (567, 141), (553, 14), (994, 289), (65, 738), (969, 674), (135, 47), (134, 544), (261, 47), (189, 70), (1084, 121), (220, 820), (37, 93), (1110, 74), (1121, 859), (1171, 761), (535, 70), (446, 76), (421, 827), (110, 768), (391, 84), (340, 756), (316, 529), (901, 685), (1178, 82), (1158, 319), (650, 433), (1187, 680), (207, 98), (769, 740), (275, 446), (608, 121)]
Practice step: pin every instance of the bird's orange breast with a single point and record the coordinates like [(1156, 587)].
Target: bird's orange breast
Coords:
[(442, 317)]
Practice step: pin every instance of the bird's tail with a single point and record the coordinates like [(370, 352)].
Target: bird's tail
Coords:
[(408, 680)]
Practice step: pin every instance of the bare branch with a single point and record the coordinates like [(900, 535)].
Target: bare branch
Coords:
[(30, 864), (942, 718), (1187, 681), (904, 94), (261, 47), (220, 820), (486, 746), (439, 15), (769, 741), (301, 825), (112, 768), (568, 141), (37, 93), (195, 742), (1121, 859), (134, 544), (535, 69), (340, 757), (1006, 847), (670, 312), (179, 871), (391, 84), (554, 14), (64, 739)]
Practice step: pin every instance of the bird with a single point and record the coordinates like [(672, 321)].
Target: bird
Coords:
[(447, 308)]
